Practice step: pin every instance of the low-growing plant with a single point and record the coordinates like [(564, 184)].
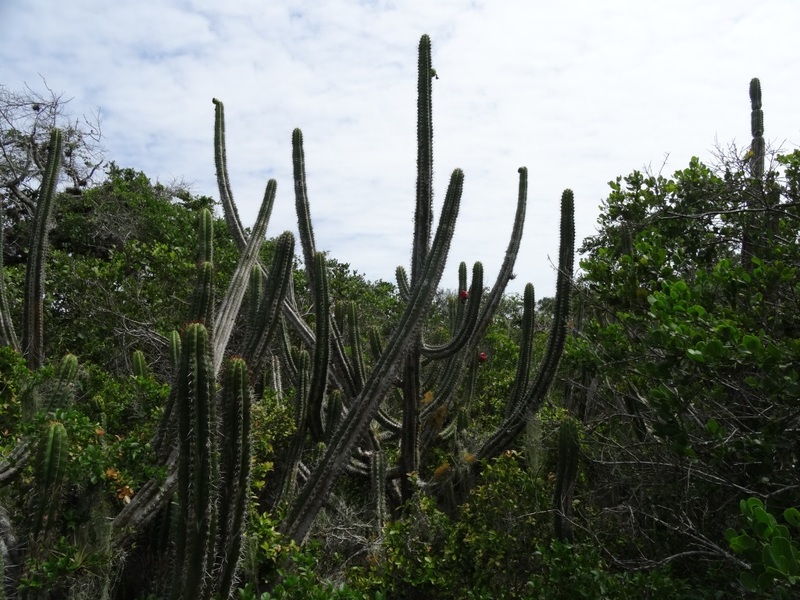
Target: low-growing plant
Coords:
[(771, 547)]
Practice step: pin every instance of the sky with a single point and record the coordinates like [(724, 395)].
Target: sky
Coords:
[(578, 91)]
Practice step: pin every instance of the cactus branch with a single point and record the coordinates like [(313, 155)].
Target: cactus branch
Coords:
[(316, 490), (232, 302), (534, 395), (33, 319)]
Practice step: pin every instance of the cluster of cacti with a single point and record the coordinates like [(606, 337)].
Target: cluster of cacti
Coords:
[(342, 407), (207, 465)]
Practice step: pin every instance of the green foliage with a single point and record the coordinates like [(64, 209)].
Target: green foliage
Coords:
[(690, 344), (499, 548), (771, 548), (14, 380), (120, 269)]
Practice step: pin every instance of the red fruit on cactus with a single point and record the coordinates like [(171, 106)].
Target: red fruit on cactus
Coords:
[(482, 357), (464, 295)]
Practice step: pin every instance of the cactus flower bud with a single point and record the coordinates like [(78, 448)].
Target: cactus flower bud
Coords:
[(482, 357), (463, 295)]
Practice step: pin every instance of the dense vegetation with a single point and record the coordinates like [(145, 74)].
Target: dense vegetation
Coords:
[(190, 410)]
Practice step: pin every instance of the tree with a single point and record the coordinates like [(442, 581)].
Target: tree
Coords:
[(26, 119), (691, 344)]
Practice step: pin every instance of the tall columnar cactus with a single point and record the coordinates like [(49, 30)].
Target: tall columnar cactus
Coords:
[(758, 145), (198, 466), (33, 318), (757, 228), (234, 474), (139, 364), (203, 439)]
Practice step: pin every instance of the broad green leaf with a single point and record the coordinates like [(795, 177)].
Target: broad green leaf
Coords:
[(792, 516)]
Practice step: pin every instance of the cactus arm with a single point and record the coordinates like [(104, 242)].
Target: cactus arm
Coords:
[(467, 323), (255, 292), (275, 291), (146, 504), (341, 369), (454, 371), (758, 145), (197, 466), (534, 396), (232, 216), (61, 394), (288, 465), (175, 350), (232, 302), (202, 307), (409, 447), (359, 369), (525, 350), (237, 231), (375, 342), (205, 237), (50, 466), (234, 474), (506, 271), (223, 181), (423, 215), (322, 350), (301, 204), (286, 349), (382, 377), (377, 466), (33, 318), (139, 364), (755, 160), (402, 283), (277, 384), (338, 349)]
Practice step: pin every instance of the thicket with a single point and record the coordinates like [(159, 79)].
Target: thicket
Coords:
[(189, 410)]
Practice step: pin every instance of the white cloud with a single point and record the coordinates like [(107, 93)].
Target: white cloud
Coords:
[(579, 91)]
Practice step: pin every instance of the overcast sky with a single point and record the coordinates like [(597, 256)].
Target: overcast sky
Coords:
[(579, 92)]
